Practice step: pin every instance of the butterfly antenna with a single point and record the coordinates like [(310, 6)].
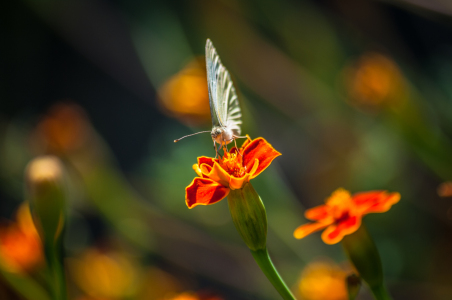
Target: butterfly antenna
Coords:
[(189, 135)]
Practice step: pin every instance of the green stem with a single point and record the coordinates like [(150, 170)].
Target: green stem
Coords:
[(263, 260), (56, 270), (380, 293)]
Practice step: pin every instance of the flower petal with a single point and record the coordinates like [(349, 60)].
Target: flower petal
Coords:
[(205, 169), (237, 183), (203, 191), (317, 213), (375, 201), (254, 169), (197, 170), (258, 149), (334, 233), (307, 229), (234, 150), (218, 174), (205, 160), (245, 143)]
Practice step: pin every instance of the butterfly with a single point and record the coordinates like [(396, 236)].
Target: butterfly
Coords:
[(224, 104)]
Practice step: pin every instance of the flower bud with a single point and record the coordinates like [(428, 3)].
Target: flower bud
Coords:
[(46, 191), (249, 216), (363, 253)]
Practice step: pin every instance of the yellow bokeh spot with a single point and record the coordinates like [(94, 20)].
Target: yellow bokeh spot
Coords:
[(323, 281), (185, 296), (185, 95), (110, 275), (193, 296)]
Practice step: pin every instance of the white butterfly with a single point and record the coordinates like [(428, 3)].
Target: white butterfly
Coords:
[(224, 104)]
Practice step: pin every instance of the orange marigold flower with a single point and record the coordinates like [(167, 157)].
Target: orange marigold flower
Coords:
[(445, 189), (237, 167), (64, 129), (342, 213), (374, 81), (20, 245)]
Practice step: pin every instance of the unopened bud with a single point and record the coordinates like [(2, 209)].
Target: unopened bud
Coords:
[(46, 191)]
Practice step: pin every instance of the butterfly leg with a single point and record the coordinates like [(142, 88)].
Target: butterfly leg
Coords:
[(225, 146), (215, 148), (235, 142), (242, 137)]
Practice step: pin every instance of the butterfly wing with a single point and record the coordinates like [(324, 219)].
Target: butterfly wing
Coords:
[(213, 64), (224, 104)]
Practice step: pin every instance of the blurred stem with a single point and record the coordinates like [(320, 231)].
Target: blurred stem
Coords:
[(57, 278), (265, 263), (24, 285), (363, 253), (380, 293)]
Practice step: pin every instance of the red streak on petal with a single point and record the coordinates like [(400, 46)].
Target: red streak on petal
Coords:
[(346, 226)]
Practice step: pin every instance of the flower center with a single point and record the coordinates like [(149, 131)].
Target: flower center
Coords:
[(342, 218), (232, 163), (340, 205)]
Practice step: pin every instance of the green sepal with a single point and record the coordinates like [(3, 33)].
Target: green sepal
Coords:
[(249, 216), (363, 254)]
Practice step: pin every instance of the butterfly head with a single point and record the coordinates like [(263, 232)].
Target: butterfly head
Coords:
[(222, 135), (216, 131)]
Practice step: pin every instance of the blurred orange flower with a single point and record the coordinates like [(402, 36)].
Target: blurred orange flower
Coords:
[(374, 80), (158, 283), (105, 275), (91, 298), (445, 189), (193, 296), (64, 128), (185, 95), (20, 245), (323, 281), (342, 213), (232, 171)]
